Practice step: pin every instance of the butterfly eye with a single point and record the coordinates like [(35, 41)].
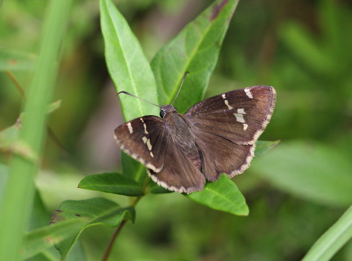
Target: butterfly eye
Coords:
[(162, 113)]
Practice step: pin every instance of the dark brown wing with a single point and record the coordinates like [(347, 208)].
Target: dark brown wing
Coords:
[(144, 139), (147, 140), (179, 172), (227, 126), (240, 115)]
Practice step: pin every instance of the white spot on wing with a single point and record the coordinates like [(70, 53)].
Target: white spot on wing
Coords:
[(248, 93), (241, 111), (228, 105), (226, 101), (130, 129), (149, 145), (145, 129), (245, 126), (239, 117)]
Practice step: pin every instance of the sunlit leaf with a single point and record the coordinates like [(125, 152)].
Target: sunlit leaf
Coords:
[(222, 195), (127, 64)]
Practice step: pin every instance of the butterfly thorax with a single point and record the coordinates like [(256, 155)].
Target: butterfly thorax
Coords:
[(178, 127)]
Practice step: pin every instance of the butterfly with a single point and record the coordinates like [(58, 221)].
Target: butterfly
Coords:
[(215, 136)]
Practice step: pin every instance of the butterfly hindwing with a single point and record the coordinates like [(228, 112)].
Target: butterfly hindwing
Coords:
[(180, 173)]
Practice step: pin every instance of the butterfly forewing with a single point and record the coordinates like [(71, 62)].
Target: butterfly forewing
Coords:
[(144, 139), (227, 126), (239, 115)]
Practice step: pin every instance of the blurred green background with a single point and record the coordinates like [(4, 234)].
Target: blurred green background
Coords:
[(295, 192)]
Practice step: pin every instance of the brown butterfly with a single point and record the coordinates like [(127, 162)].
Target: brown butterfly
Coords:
[(214, 136)]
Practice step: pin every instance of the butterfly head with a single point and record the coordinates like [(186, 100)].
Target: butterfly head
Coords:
[(165, 109)]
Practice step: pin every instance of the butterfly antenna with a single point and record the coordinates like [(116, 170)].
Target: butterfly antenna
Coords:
[(179, 89), (137, 98)]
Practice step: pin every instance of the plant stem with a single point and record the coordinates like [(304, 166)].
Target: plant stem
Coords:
[(112, 240), (117, 231)]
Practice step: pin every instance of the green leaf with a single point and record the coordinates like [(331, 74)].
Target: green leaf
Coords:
[(133, 169), (115, 183), (332, 240), (53, 106), (127, 64), (40, 239), (16, 60), (309, 170), (263, 146), (222, 195), (196, 50), (95, 211)]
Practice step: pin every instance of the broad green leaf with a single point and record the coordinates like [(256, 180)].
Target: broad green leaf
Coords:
[(332, 240), (95, 211), (16, 60), (127, 64), (263, 146), (222, 195), (196, 50), (309, 170), (40, 239), (112, 183)]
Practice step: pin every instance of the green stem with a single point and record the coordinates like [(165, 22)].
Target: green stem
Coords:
[(17, 201), (118, 229), (112, 240)]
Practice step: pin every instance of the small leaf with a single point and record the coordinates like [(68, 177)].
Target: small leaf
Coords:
[(263, 146), (95, 211), (222, 195), (332, 240), (9, 137), (115, 183), (54, 106), (40, 239), (16, 60)]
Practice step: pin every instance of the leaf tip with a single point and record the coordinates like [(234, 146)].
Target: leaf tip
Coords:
[(217, 9)]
